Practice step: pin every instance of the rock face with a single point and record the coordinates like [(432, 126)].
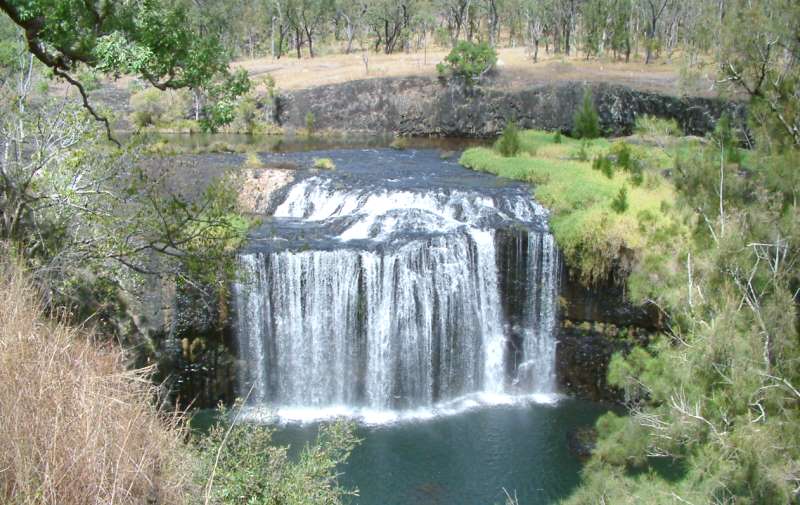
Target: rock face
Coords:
[(596, 323), (419, 106)]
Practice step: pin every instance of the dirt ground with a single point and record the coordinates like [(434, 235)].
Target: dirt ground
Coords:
[(515, 70)]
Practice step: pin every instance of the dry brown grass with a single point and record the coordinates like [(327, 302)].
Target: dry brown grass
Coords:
[(76, 427), (515, 70)]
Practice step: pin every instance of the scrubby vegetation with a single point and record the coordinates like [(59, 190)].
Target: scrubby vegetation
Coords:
[(77, 425), (509, 144), (324, 164), (586, 124), (80, 427), (468, 61), (241, 460), (600, 238)]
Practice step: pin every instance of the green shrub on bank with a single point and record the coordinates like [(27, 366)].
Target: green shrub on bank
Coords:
[(240, 460), (153, 107), (586, 123), (509, 144), (588, 229), (468, 61)]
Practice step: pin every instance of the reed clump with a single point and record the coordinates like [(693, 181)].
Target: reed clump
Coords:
[(77, 426)]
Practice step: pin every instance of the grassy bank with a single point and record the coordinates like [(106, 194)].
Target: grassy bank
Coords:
[(597, 236)]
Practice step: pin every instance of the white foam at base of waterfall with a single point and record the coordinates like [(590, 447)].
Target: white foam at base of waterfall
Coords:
[(288, 414)]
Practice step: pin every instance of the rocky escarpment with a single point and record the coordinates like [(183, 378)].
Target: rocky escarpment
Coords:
[(594, 324), (419, 106)]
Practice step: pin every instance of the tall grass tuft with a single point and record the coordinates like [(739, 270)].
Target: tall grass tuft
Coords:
[(76, 426)]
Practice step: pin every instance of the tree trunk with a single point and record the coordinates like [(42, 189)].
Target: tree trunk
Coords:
[(310, 43)]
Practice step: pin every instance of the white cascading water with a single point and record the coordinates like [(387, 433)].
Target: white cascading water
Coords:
[(402, 308)]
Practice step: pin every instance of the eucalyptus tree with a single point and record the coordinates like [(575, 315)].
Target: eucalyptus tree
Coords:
[(456, 14), (620, 18), (152, 40), (353, 12), (653, 11), (89, 218), (594, 26), (534, 13), (389, 20)]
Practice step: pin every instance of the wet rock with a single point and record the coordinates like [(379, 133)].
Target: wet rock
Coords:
[(595, 323), (582, 441)]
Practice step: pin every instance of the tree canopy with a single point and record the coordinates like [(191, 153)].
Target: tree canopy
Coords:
[(145, 38)]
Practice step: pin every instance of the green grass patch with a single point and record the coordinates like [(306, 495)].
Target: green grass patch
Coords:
[(597, 238)]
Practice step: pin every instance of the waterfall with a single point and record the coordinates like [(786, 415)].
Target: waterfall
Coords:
[(397, 298)]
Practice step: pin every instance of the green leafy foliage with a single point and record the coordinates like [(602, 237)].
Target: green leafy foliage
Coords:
[(152, 40), (239, 462), (590, 234), (717, 397), (509, 143), (310, 123), (586, 123), (620, 202), (324, 164), (468, 61)]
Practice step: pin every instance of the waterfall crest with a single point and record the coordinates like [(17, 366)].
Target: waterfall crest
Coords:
[(397, 297)]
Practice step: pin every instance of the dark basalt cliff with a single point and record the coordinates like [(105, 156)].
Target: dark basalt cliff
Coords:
[(594, 324), (419, 106)]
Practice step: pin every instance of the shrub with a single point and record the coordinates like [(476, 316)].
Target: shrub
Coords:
[(324, 164), (622, 151), (310, 120), (468, 61), (653, 126), (583, 151), (245, 117), (399, 143), (586, 123), (557, 138), (152, 107), (509, 142), (620, 202), (244, 462), (603, 164), (77, 426)]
